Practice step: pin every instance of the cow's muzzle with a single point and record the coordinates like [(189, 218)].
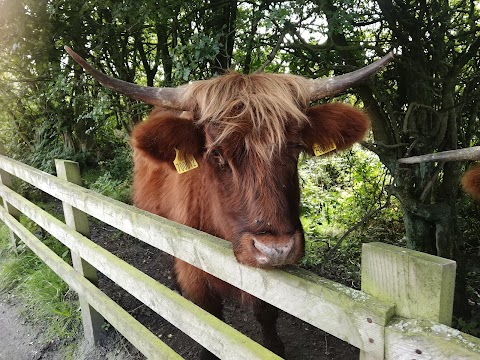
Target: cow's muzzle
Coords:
[(267, 250)]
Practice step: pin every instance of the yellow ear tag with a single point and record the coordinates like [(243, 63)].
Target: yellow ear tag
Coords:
[(184, 162), (319, 150)]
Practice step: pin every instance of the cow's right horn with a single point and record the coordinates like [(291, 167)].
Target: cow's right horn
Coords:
[(321, 88), (165, 97)]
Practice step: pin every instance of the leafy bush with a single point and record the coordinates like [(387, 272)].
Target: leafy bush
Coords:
[(113, 177), (337, 193), (107, 185)]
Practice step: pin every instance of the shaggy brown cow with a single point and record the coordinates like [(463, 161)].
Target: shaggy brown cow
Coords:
[(235, 140)]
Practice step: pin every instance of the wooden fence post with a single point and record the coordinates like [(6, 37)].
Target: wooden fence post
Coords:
[(420, 285), (76, 219), (7, 180)]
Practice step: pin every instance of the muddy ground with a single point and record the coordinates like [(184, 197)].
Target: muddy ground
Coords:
[(302, 341)]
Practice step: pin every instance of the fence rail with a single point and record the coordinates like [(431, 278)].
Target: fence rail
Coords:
[(392, 279)]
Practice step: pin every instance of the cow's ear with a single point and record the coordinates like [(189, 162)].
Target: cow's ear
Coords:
[(333, 126), (163, 132)]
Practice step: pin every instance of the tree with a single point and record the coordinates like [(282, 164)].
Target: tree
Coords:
[(437, 76), (428, 101)]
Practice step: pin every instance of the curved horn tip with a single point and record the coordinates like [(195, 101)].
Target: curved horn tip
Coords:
[(68, 49), (391, 55), (166, 97), (81, 61)]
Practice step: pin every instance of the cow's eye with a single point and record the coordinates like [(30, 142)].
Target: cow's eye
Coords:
[(219, 159), (296, 146), (215, 153)]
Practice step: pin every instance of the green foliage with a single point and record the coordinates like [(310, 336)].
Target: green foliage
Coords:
[(109, 186), (192, 57), (469, 327), (55, 305), (48, 300), (337, 193), (46, 152), (112, 177)]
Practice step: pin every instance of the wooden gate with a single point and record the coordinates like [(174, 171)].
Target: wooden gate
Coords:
[(403, 311)]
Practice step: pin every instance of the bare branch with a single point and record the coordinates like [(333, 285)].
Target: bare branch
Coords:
[(429, 212), (274, 51), (363, 221), (472, 153), (410, 109), (412, 146), (372, 146)]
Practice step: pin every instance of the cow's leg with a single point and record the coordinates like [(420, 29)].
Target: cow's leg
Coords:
[(267, 316), (196, 285)]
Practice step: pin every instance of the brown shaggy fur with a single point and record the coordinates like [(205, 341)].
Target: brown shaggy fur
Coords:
[(257, 106), (158, 137), (246, 133), (471, 181)]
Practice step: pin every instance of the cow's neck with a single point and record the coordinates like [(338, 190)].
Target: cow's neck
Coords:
[(200, 205)]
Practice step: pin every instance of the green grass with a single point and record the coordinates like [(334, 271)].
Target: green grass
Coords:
[(48, 301)]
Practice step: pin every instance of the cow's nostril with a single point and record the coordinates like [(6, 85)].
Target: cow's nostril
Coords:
[(273, 254), (268, 250)]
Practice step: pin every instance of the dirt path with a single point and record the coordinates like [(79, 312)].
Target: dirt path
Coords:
[(18, 340)]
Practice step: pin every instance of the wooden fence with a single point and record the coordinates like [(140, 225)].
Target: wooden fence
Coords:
[(403, 311)]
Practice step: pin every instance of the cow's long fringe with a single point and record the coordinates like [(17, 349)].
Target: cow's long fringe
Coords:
[(258, 107)]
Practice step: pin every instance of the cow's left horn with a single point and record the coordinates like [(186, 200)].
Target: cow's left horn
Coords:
[(321, 88), (166, 97)]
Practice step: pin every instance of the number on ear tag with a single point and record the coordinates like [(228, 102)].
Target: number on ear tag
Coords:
[(319, 150), (184, 162)]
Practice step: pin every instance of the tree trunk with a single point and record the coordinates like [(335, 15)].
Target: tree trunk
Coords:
[(420, 233), (431, 223)]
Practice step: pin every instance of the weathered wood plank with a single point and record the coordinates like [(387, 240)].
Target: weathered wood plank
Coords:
[(423, 339), (146, 342), (218, 337), (420, 285), (348, 314), (77, 220), (320, 297), (7, 180)]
